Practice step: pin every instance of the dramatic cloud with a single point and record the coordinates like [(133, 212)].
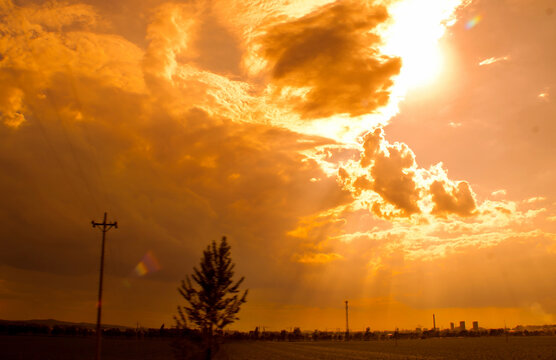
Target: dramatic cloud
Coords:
[(266, 122), (392, 172), (394, 175), (458, 200), (327, 62), (175, 176)]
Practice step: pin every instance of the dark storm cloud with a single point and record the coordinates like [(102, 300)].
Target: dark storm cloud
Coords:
[(332, 52)]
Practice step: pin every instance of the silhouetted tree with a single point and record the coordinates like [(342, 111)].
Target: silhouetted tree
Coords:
[(214, 300), (367, 334), (296, 334)]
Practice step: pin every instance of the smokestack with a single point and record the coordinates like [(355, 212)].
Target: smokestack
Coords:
[(433, 323)]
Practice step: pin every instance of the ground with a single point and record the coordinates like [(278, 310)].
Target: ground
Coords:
[(77, 348)]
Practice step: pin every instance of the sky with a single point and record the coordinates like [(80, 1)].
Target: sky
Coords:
[(398, 154)]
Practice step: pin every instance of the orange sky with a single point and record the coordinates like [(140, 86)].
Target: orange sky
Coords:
[(396, 153)]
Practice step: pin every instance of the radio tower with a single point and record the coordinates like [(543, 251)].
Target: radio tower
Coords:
[(347, 321)]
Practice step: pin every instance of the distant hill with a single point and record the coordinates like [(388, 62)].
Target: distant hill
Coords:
[(53, 322)]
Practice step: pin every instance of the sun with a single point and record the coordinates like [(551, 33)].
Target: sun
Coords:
[(412, 34)]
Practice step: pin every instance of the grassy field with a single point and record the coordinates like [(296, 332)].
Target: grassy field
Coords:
[(62, 348), (444, 348), (81, 348)]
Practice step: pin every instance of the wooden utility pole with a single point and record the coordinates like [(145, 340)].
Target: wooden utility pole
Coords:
[(104, 226)]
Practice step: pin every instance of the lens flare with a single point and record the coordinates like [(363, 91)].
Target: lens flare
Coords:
[(148, 264), (473, 22)]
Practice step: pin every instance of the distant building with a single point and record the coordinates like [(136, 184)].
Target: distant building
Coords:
[(452, 326), (476, 325), (462, 325)]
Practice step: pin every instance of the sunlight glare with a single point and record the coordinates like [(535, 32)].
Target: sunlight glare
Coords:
[(413, 35)]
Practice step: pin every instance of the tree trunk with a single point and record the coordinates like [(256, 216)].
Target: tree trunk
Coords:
[(209, 347)]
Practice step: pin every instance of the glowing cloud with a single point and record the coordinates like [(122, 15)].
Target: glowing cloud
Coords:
[(288, 155), (535, 199), (338, 69), (544, 95), (319, 258), (389, 181), (492, 60), (457, 200)]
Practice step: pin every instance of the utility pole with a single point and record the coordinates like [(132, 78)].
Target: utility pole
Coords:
[(104, 226), (433, 323), (347, 322)]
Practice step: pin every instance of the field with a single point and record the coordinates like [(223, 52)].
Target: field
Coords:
[(66, 348), (445, 348)]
